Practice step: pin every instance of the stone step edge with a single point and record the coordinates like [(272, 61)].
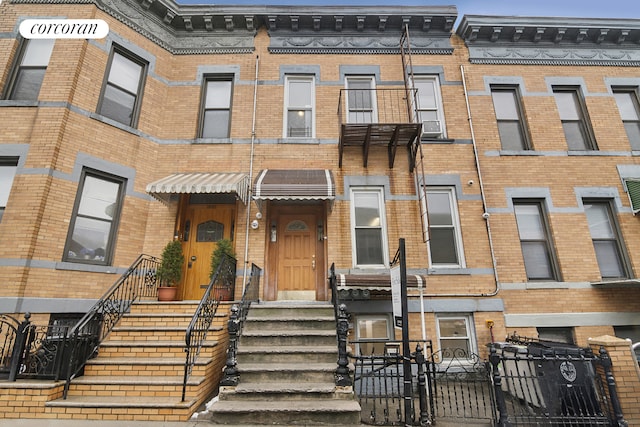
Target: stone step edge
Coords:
[(282, 367), (283, 388), (120, 402), (128, 328), (284, 349), (292, 406)]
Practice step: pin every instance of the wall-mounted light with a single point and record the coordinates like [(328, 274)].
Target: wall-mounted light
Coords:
[(254, 224)]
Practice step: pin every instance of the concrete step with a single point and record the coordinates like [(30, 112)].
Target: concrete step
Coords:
[(281, 391), (281, 309), (293, 354), (174, 366), (286, 322), (288, 337), (283, 372), (298, 412), (134, 386)]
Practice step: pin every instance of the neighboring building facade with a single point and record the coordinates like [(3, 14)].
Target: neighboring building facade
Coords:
[(288, 131)]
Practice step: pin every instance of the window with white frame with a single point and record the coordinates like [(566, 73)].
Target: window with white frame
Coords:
[(122, 89), (629, 108), (361, 100), (429, 106), (8, 167), (445, 238), (28, 73), (535, 240), (94, 222), (299, 107), (606, 238), (456, 335), (375, 330), (216, 107), (368, 228)]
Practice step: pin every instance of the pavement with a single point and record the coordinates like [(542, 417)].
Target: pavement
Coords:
[(39, 422)]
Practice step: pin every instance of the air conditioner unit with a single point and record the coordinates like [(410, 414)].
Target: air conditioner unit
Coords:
[(431, 128)]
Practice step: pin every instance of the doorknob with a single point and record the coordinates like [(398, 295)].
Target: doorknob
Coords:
[(193, 258), (313, 262)]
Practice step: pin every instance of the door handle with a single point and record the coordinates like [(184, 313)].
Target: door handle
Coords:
[(313, 262)]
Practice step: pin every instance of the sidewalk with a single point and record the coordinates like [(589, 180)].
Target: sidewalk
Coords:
[(39, 422)]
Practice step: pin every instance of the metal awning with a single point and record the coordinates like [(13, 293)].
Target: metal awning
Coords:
[(203, 183), (294, 184)]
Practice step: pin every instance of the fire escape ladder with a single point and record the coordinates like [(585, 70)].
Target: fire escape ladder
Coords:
[(417, 157)]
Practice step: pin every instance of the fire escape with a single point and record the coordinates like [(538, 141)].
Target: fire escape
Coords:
[(388, 117)]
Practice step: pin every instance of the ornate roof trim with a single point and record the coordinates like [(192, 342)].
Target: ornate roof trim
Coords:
[(551, 41)]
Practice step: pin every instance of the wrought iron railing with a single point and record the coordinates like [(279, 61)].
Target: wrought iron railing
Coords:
[(86, 336), (8, 335), (342, 373), (379, 105), (236, 322), (222, 284)]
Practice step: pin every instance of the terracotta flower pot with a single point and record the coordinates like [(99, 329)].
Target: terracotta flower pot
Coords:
[(167, 293)]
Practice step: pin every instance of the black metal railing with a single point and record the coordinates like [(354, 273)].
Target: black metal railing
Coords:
[(379, 383), (376, 106), (86, 336), (342, 374), (8, 335), (235, 324), (222, 285)]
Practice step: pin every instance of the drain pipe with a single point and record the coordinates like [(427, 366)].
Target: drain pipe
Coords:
[(253, 140), (485, 214)]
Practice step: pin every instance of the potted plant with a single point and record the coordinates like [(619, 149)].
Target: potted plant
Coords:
[(170, 271), (224, 248)]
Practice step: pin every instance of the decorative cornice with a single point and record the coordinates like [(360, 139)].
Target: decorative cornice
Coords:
[(551, 41), (188, 29)]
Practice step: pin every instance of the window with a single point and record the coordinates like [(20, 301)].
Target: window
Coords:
[(369, 236), (361, 100), (627, 100), (537, 250), (372, 328), (509, 115), (430, 111), (94, 223), (8, 167), (299, 106), (557, 334), (606, 239), (31, 65), (574, 117), (445, 239), (456, 336), (122, 91), (216, 108)]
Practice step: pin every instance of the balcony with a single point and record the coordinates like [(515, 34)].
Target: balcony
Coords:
[(377, 117)]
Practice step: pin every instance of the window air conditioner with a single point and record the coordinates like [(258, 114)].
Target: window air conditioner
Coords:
[(431, 128)]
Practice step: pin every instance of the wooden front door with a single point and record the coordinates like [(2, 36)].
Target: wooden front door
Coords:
[(296, 254), (206, 225)]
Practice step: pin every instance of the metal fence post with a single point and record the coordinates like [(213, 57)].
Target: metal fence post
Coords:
[(422, 384), (606, 363), (18, 356), (230, 375), (343, 377), (494, 359)]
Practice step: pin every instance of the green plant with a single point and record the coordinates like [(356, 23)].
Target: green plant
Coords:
[(170, 269), (225, 247)]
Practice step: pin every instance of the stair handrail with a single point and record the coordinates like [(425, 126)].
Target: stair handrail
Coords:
[(222, 281), (236, 322), (342, 372), (86, 336)]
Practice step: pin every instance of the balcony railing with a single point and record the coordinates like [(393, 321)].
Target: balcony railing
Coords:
[(378, 117)]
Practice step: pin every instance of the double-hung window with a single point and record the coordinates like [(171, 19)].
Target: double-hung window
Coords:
[(369, 228), (8, 167), (629, 107), (94, 222), (509, 115), (606, 238), (122, 89), (574, 118), (537, 248), (361, 100), (299, 107), (456, 336), (429, 106), (29, 70), (445, 238), (216, 107)]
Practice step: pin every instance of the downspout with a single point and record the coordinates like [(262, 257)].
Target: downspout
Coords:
[(485, 214), (253, 140)]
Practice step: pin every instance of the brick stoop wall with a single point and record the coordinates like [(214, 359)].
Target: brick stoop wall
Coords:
[(137, 375), (626, 373)]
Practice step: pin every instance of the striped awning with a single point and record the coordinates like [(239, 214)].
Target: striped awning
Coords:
[(202, 183), (294, 184)]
